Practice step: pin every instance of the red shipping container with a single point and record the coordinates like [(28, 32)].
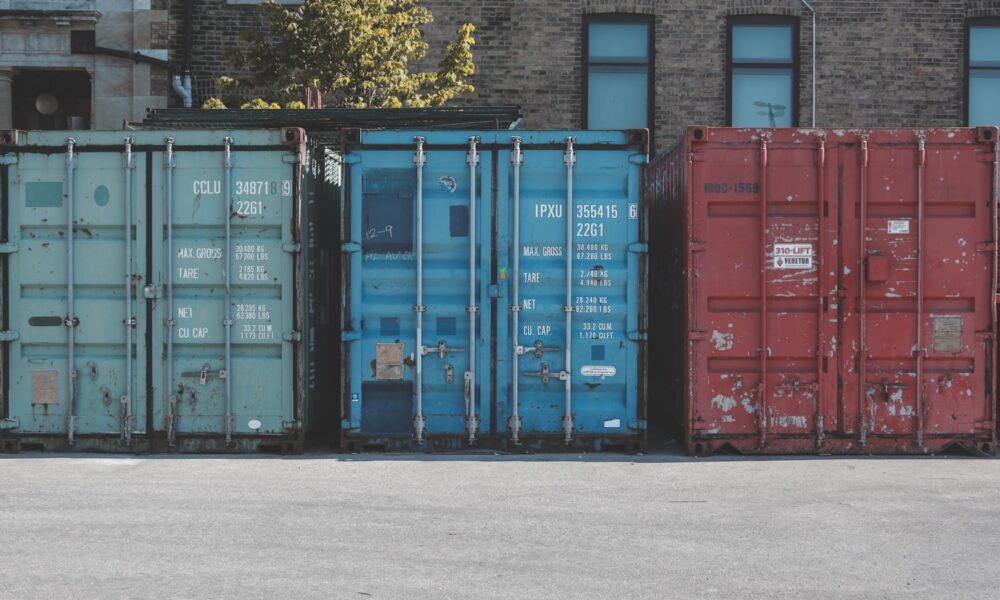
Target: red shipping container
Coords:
[(876, 253)]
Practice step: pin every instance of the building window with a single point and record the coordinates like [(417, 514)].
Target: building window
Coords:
[(763, 65), (983, 104), (618, 66)]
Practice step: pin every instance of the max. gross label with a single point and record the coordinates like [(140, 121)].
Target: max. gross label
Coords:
[(793, 256)]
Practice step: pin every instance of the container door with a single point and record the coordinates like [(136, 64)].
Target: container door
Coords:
[(76, 368), (762, 271), (418, 370), (223, 267), (916, 279), (570, 223)]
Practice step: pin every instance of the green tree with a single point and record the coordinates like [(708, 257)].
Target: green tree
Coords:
[(356, 52)]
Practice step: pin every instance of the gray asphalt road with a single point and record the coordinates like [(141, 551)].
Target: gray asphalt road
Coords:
[(498, 527)]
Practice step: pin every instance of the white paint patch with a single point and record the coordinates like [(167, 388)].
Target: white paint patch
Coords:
[(787, 421), (747, 406), (722, 341), (613, 424), (254, 424), (907, 411), (728, 419), (847, 270), (724, 403), (962, 242)]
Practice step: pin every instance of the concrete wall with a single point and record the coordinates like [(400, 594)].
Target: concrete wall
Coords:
[(35, 34)]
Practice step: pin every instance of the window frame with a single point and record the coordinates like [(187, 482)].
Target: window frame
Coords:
[(734, 21), (969, 24), (629, 18)]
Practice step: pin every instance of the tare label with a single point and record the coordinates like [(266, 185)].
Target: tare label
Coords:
[(793, 256)]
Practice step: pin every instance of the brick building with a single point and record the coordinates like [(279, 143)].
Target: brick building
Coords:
[(878, 63)]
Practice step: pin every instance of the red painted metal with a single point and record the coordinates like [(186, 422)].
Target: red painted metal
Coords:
[(828, 291)]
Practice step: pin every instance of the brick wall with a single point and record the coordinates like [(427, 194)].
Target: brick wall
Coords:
[(890, 63)]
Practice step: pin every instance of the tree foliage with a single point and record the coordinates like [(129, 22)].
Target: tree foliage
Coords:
[(356, 52)]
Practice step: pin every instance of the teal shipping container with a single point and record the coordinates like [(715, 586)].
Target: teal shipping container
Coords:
[(494, 286), (155, 291)]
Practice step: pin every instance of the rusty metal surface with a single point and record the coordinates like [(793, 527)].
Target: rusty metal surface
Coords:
[(876, 254)]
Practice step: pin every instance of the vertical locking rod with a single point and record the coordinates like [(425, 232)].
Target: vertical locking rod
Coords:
[(516, 160), (820, 288), (227, 321), (170, 163), (764, 349), (569, 159), (471, 420), (71, 321), (419, 160), (126, 426), (921, 173), (862, 303)]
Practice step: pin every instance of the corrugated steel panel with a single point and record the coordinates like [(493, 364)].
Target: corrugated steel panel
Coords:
[(183, 255), (836, 288), (432, 356)]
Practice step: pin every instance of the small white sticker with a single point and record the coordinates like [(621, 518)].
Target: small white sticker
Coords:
[(902, 226), (613, 423), (793, 256), (254, 424), (598, 371)]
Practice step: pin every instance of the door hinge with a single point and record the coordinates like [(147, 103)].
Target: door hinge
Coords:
[(350, 159), (293, 425), (637, 336), (638, 248), (291, 159), (292, 247), (8, 159), (350, 247), (9, 336), (8, 248), (151, 292), (292, 336), (638, 159), (11, 423), (350, 336)]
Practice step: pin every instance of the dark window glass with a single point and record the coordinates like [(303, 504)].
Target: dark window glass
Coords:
[(763, 78), (984, 75), (618, 65)]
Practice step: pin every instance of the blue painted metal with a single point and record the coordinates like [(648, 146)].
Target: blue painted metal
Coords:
[(578, 207), (250, 224)]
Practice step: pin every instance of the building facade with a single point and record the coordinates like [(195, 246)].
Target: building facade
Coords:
[(81, 64), (568, 63)]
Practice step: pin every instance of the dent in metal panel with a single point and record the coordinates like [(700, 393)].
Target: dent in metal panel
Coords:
[(388, 361), (948, 334), (45, 387)]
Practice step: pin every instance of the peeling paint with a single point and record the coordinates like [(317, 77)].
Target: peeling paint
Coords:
[(787, 421), (724, 403), (722, 341)]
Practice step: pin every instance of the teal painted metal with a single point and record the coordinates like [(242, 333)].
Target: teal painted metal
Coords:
[(169, 316), (467, 323)]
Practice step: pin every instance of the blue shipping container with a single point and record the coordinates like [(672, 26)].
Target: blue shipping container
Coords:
[(494, 287)]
